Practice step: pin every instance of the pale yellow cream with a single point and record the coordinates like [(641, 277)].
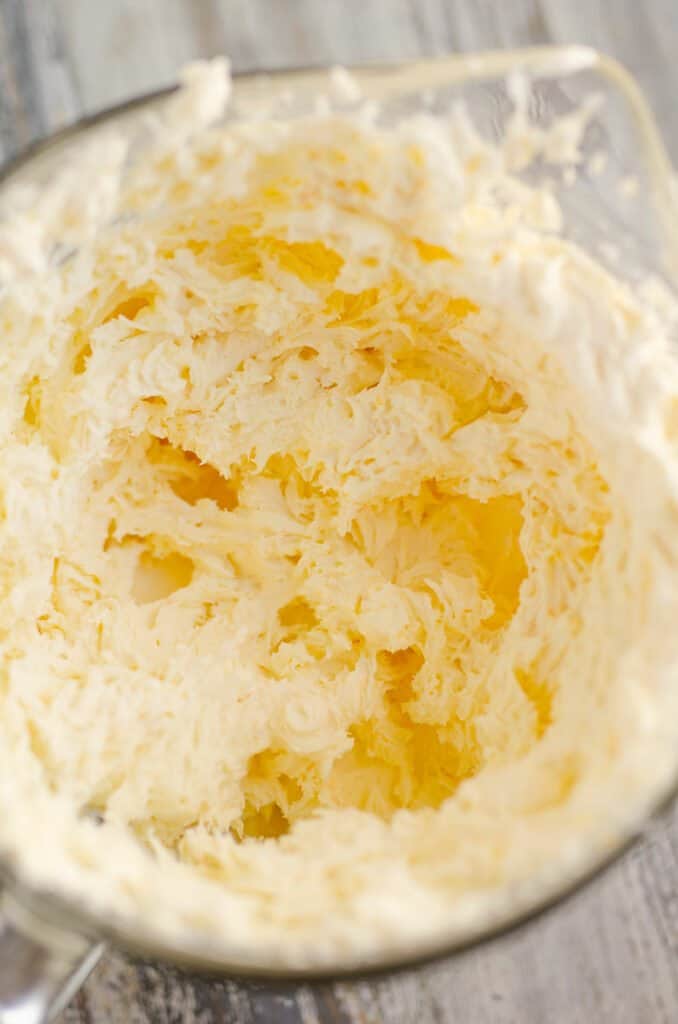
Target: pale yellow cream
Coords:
[(338, 544)]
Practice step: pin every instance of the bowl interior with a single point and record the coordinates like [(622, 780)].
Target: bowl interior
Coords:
[(608, 171)]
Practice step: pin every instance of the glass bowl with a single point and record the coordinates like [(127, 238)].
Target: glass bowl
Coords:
[(618, 201)]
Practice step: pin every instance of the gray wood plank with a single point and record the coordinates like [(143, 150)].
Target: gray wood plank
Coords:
[(37, 92), (22, 114), (610, 954)]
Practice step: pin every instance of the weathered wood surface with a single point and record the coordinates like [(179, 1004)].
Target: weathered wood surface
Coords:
[(611, 953)]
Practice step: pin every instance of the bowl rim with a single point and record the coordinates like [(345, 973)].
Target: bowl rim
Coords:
[(380, 79)]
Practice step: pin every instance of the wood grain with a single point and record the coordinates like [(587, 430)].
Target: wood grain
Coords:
[(611, 953)]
